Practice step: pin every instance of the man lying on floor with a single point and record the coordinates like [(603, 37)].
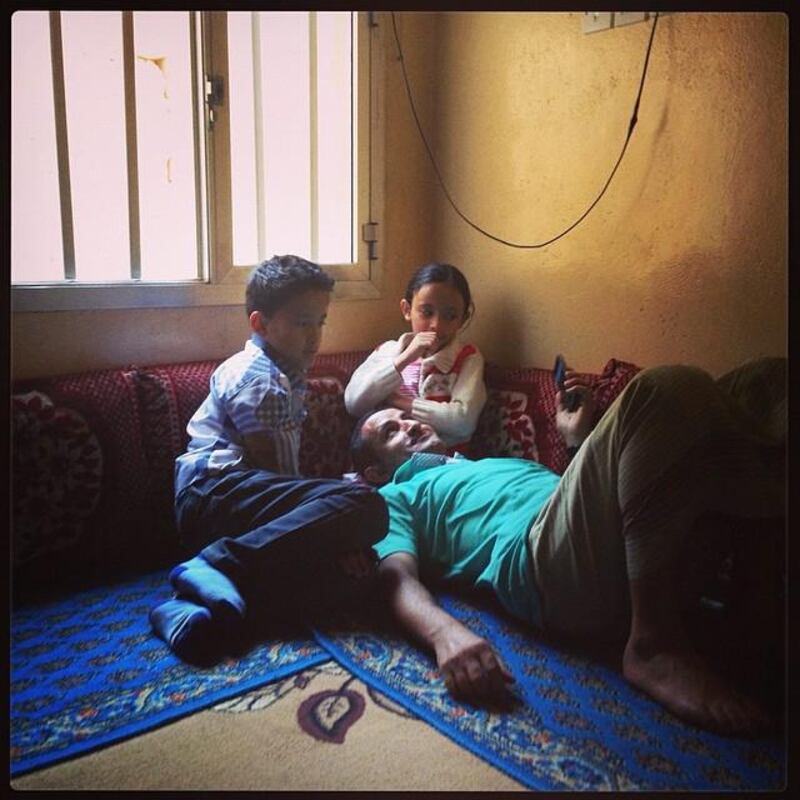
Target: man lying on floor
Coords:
[(592, 553)]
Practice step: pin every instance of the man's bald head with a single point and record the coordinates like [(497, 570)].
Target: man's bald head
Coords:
[(385, 439)]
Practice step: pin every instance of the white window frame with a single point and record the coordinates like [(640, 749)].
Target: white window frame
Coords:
[(225, 283)]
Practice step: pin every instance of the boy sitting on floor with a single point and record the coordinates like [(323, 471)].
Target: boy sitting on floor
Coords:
[(267, 538)]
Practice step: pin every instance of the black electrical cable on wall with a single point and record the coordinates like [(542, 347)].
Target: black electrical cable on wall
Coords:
[(631, 126)]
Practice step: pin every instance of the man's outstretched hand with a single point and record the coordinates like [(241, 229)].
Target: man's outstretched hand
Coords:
[(471, 669)]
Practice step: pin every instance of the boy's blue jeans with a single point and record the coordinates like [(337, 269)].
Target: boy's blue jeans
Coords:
[(277, 536)]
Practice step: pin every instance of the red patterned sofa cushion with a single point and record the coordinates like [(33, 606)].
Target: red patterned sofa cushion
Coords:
[(78, 477), (328, 426), (519, 416), (505, 427), (93, 455), (57, 476), (168, 395)]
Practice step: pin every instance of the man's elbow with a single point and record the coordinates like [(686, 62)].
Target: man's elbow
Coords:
[(389, 578), (393, 575)]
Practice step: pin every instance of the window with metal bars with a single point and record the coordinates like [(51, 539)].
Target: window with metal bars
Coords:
[(158, 155)]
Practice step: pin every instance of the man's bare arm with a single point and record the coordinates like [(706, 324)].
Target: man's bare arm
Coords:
[(575, 426), (470, 667)]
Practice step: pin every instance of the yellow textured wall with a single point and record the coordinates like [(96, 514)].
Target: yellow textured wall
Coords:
[(685, 257)]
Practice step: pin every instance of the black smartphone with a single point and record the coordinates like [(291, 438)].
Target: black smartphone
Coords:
[(572, 400)]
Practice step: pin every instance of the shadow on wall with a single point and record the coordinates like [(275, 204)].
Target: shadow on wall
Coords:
[(503, 328)]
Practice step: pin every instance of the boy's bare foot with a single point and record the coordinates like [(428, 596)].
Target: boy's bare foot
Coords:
[(680, 680)]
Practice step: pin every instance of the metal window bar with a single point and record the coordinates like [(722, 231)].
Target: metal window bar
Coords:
[(262, 166), (128, 63), (373, 24), (62, 145), (258, 139), (198, 141), (313, 118), (353, 121)]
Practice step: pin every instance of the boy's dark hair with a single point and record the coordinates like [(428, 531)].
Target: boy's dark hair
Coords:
[(277, 280), (436, 272), (362, 453)]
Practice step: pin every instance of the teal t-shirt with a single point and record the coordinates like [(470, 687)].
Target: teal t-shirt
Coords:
[(469, 520)]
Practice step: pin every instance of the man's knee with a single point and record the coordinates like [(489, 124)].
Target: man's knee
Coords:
[(673, 386), (672, 376)]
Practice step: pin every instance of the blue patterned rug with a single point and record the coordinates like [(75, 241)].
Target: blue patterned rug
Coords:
[(87, 672), (578, 724)]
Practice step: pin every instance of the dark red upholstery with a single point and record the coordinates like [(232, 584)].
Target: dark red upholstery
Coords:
[(519, 417), (93, 456)]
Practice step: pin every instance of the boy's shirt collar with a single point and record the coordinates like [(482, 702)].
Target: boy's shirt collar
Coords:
[(294, 375)]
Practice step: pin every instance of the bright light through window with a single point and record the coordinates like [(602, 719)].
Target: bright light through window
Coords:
[(292, 124), (165, 145), (336, 145), (183, 147), (95, 103), (36, 250), (125, 216)]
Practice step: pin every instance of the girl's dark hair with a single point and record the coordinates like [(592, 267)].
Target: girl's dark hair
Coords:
[(276, 281), (436, 272)]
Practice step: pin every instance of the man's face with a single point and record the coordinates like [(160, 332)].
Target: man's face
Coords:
[(394, 437)]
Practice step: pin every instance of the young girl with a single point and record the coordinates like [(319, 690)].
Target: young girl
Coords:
[(429, 371)]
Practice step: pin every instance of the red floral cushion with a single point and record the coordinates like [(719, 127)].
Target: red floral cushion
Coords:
[(326, 430), (505, 427), (79, 479), (93, 453), (324, 447), (341, 365), (168, 396), (615, 377), (58, 470), (519, 416)]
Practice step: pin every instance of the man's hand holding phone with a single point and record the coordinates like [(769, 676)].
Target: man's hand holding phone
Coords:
[(574, 405), (570, 400)]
